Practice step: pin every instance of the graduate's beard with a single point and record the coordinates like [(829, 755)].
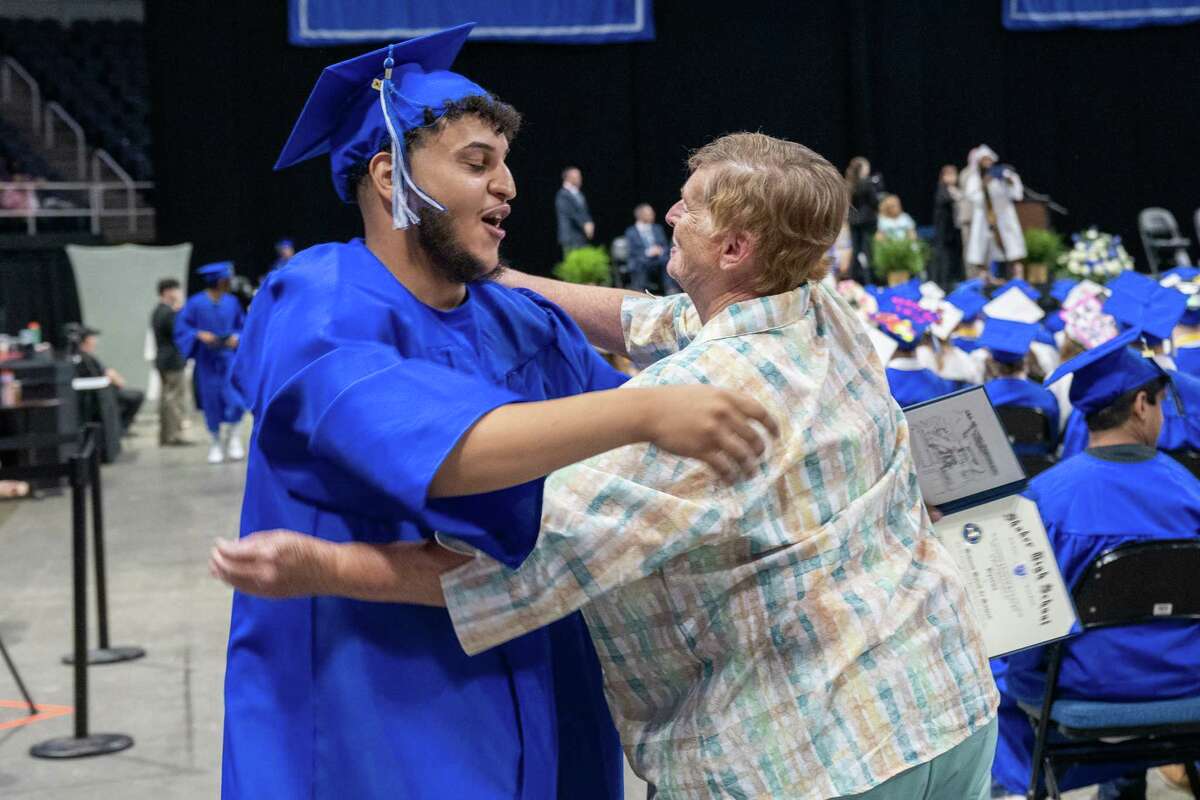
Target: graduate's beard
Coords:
[(448, 257)]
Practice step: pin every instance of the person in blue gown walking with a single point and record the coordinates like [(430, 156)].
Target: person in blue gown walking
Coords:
[(400, 395), (1008, 344), (1119, 490), (207, 330)]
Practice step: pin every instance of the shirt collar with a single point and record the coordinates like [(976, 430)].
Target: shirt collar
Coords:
[(758, 315)]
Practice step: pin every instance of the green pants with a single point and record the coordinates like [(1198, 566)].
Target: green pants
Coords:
[(964, 772)]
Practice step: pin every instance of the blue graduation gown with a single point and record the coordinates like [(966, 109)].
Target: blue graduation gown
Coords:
[(218, 400), (910, 387), (1025, 394), (359, 390), (1187, 359), (1181, 421), (1090, 505)]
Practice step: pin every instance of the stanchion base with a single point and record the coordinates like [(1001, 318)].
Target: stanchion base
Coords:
[(108, 655), (98, 744)]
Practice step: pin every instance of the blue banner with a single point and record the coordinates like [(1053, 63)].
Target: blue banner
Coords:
[(327, 22), (1024, 15)]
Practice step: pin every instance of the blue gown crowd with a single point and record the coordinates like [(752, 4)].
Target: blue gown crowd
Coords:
[(1076, 355)]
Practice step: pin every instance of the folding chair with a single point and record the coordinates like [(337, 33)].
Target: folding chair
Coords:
[(1161, 241), (1031, 437), (1189, 458), (1142, 583)]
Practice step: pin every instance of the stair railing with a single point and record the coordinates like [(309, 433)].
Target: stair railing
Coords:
[(9, 67), (55, 111)]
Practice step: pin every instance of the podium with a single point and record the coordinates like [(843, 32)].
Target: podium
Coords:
[(1033, 214)]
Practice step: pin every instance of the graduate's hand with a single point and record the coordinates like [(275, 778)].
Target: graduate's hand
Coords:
[(208, 337), (231, 341), (275, 564), (712, 425)]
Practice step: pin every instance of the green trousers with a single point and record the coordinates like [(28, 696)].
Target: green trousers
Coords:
[(964, 772)]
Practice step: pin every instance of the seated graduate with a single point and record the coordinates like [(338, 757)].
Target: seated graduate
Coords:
[(1008, 384), (1154, 310), (959, 317), (1186, 336), (903, 320), (1119, 490)]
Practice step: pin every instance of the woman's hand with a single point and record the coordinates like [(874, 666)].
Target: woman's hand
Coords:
[(710, 424)]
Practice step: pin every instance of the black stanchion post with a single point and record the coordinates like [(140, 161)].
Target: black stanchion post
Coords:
[(104, 654), (82, 743)]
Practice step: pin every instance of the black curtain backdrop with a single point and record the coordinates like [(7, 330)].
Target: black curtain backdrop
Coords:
[(1103, 121)]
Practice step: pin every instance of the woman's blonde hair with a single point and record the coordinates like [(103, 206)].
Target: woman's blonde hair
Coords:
[(789, 199)]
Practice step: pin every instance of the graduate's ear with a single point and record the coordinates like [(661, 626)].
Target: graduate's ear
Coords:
[(379, 175)]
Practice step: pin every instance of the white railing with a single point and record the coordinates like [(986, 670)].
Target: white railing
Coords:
[(55, 111), (94, 209), (9, 66), (101, 158)]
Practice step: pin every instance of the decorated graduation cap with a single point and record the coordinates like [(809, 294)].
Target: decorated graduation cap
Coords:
[(903, 319), (1024, 286), (215, 271), (1106, 372), (1186, 281), (359, 105), (1062, 287), (1013, 304), (1008, 341)]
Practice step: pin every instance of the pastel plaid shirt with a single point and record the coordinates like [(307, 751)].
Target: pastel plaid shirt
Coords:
[(799, 635)]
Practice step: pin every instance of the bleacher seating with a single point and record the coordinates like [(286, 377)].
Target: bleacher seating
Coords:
[(96, 69)]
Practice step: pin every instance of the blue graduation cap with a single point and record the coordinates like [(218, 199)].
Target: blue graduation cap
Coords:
[(975, 284), (1061, 288), (1008, 341), (215, 271), (1156, 313), (360, 104), (1134, 284), (969, 301), (1106, 372), (1026, 288), (1053, 323)]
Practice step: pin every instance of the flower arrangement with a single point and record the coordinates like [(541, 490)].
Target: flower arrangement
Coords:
[(1095, 255)]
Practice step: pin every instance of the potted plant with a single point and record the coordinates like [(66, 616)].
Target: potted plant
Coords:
[(585, 265), (897, 260), (1095, 255), (1042, 249)]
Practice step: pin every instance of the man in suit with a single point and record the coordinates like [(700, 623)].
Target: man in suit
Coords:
[(649, 250), (575, 226)]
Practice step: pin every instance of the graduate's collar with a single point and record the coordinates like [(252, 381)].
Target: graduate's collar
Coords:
[(906, 364), (758, 315)]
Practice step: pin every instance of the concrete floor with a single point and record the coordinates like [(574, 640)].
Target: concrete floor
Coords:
[(163, 507)]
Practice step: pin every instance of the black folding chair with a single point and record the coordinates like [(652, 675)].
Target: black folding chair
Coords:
[(1161, 241), (1142, 583), (1189, 458), (1029, 432)]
